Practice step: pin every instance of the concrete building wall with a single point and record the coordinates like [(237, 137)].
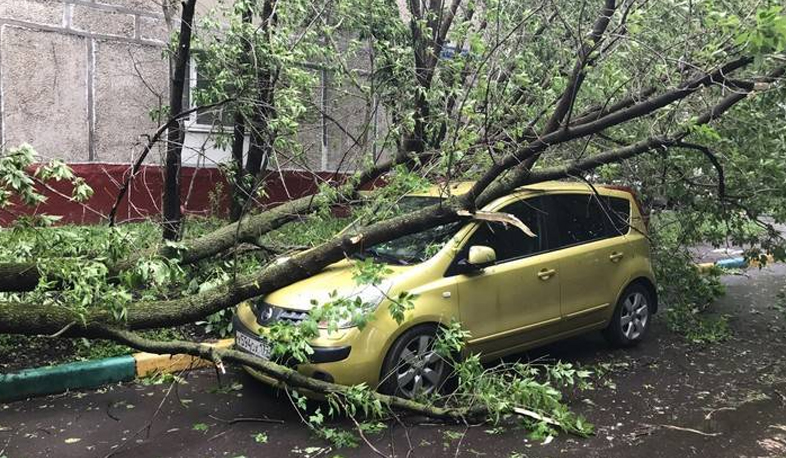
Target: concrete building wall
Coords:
[(79, 78)]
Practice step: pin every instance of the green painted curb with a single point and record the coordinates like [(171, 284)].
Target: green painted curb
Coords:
[(56, 379)]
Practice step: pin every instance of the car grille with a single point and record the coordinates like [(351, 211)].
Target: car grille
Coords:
[(293, 316), (268, 314)]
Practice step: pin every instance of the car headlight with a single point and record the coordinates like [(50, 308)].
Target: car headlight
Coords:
[(369, 295)]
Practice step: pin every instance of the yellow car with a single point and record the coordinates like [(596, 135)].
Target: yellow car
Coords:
[(584, 266)]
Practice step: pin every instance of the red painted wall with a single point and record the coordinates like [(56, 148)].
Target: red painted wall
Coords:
[(143, 199)]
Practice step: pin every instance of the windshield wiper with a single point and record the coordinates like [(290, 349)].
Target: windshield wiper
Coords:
[(360, 255), (386, 257)]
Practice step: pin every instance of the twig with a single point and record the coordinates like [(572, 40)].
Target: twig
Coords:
[(690, 430), (461, 440), (216, 436), (406, 435), (5, 446), (149, 424), (247, 420), (109, 413), (365, 439), (536, 416), (150, 143), (711, 412), (62, 331)]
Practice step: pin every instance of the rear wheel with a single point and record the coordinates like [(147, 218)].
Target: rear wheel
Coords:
[(631, 319), (412, 366)]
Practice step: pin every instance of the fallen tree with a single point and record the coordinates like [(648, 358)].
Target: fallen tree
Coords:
[(458, 119)]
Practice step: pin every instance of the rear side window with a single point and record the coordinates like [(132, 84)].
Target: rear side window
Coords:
[(580, 218), (619, 215)]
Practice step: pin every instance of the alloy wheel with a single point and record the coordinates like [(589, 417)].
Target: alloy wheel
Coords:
[(635, 315), (420, 369)]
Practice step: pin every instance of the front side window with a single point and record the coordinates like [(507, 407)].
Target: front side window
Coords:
[(510, 242)]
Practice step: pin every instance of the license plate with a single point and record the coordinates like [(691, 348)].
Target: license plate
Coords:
[(254, 345)]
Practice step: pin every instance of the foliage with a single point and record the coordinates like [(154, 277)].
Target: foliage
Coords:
[(22, 178), (506, 386), (500, 388), (260, 438), (684, 292), (450, 116), (696, 327)]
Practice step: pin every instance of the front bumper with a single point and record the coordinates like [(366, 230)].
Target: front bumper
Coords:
[(348, 358), (320, 355)]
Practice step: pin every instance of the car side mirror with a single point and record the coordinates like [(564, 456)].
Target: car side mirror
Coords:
[(481, 256)]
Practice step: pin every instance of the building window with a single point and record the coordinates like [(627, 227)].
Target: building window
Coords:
[(216, 117)]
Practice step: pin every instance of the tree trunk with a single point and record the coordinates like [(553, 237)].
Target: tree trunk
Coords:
[(238, 140), (176, 134), (262, 136)]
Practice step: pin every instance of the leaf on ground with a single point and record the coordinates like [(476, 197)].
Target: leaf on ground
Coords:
[(72, 440), (260, 438), (200, 427)]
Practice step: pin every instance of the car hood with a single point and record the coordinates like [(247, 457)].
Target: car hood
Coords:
[(336, 278)]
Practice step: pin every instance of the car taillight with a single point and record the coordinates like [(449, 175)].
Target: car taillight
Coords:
[(645, 217)]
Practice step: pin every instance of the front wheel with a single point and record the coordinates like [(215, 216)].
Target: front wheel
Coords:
[(631, 319), (412, 366)]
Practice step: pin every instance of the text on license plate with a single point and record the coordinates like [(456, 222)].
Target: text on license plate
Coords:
[(253, 345)]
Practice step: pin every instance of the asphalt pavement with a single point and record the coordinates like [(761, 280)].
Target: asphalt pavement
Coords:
[(665, 398)]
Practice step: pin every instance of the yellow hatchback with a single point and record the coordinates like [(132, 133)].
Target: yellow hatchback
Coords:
[(586, 268)]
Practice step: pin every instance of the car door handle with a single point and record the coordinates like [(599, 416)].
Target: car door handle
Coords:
[(616, 256), (545, 274)]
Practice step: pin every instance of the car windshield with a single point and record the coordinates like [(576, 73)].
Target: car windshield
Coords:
[(413, 248)]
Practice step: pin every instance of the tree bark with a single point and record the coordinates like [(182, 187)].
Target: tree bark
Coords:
[(176, 134), (239, 140), (262, 136), (289, 377)]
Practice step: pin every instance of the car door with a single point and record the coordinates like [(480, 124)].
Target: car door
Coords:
[(589, 236), (515, 300)]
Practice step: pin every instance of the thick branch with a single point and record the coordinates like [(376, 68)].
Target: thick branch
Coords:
[(578, 74), (15, 317), (291, 378), (21, 277), (522, 175), (715, 163), (598, 112), (636, 111)]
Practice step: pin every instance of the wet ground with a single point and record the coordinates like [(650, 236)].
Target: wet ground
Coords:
[(665, 398)]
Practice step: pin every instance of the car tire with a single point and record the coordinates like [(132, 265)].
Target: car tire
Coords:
[(412, 367), (632, 317)]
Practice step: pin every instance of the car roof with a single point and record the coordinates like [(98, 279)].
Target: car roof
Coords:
[(462, 187)]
